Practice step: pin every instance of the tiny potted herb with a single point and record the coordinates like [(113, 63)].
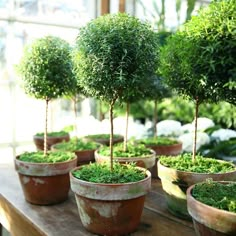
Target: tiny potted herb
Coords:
[(139, 154), (104, 139), (115, 54), (212, 206), (52, 138), (47, 73), (84, 150), (197, 62)]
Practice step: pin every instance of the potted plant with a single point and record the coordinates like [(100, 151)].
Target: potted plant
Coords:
[(212, 206), (104, 139), (52, 138), (47, 73), (115, 53), (197, 62), (84, 150)]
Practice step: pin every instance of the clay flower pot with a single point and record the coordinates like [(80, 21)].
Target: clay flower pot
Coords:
[(110, 209), (45, 183), (51, 140), (166, 150), (175, 184), (145, 162), (210, 221)]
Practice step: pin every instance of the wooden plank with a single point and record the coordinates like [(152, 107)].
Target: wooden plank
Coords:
[(22, 218), (105, 6), (122, 6)]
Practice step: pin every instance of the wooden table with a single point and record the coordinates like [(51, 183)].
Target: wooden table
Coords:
[(23, 219)]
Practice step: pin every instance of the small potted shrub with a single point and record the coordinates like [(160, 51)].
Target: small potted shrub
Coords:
[(47, 73), (197, 62), (115, 54), (212, 206), (104, 139), (52, 138), (159, 90), (84, 150)]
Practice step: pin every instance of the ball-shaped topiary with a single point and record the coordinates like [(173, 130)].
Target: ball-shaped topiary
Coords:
[(46, 68), (47, 73), (117, 55), (200, 59)]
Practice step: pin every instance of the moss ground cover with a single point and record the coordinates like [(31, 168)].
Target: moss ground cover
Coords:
[(51, 157), (132, 150), (101, 173), (201, 164), (215, 194)]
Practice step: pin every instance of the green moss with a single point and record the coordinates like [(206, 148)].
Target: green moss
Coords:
[(132, 150), (183, 162), (53, 134), (158, 141), (76, 145), (51, 157), (215, 194), (101, 173)]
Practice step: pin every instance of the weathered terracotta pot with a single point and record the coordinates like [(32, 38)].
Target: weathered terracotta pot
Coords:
[(110, 209), (175, 184), (165, 150), (104, 141), (210, 221), (45, 183), (146, 162), (83, 156), (39, 141)]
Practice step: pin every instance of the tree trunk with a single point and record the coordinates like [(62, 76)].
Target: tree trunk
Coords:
[(75, 114), (155, 119), (195, 129), (111, 135), (46, 128), (126, 127)]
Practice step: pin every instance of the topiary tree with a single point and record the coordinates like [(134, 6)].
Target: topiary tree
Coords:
[(46, 69), (116, 55), (157, 92), (199, 61)]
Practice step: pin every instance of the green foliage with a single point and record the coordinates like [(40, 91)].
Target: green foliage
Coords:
[(76, 145), (133, 150), (215, 194), (53, 134), (219, 149), (101, 173), (47, 69), (199, 61), (183, 162), (51, 157), (117, 57), (158, 141)]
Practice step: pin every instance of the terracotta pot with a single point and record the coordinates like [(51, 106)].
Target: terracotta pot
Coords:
[(146, 162), (39, 141), (45, 183), (104, 141), (110, 209), (175, 184), (83, 156), (210, 221), (166, 150)]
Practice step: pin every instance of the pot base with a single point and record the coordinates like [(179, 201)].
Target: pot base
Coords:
[(110, 217)]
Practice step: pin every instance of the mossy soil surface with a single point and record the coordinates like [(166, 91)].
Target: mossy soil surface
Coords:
[(215, 194), (201, 164)]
